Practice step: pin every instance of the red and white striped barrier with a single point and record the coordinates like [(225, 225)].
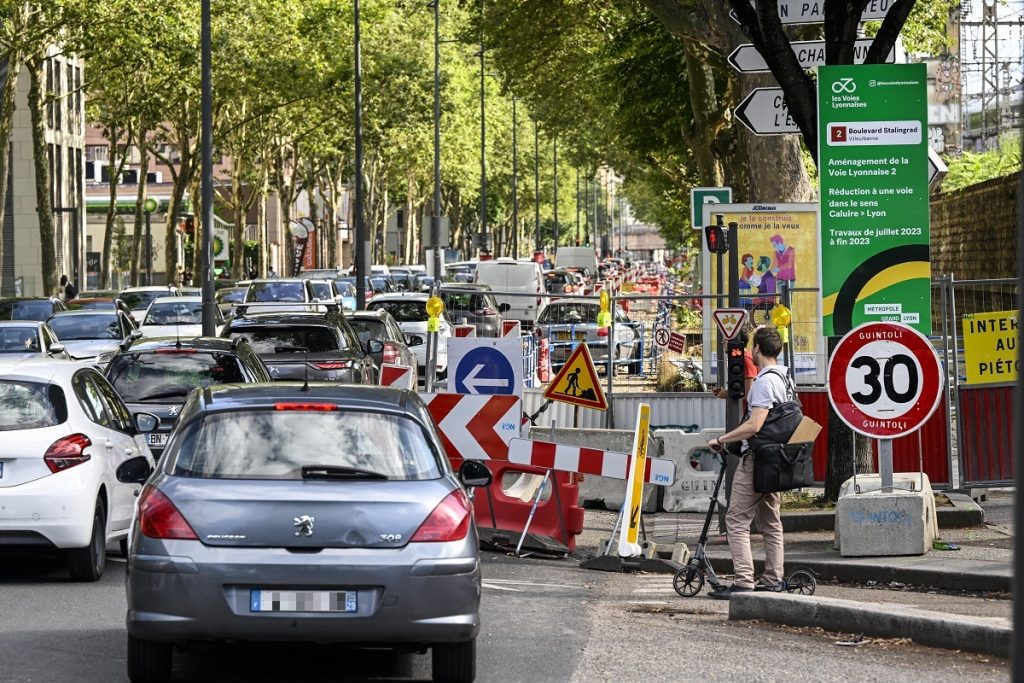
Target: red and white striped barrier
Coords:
[(594, 461), (511, 328), (465, 331), (398, 376)]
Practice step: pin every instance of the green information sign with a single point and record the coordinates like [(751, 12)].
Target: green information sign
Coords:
[(873, 165)]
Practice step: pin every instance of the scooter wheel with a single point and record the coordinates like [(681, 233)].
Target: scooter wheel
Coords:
[(689, 580), (801, 582)]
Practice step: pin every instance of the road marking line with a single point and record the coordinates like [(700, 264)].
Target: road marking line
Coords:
[(532, 583), (500, 588)]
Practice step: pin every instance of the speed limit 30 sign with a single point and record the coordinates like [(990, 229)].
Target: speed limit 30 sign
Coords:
[(884, 380)]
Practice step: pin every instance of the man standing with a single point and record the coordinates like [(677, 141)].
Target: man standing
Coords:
[(770, 387), (67, 290)]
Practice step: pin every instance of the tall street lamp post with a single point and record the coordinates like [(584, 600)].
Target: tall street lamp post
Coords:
[(515, 182), (435, 220), (483, 134), (554, 249), (148, 208), (361, 237), (206, 191), (536, 188)]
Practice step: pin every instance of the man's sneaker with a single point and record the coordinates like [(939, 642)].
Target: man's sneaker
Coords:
[(764, 584), (728, 591)]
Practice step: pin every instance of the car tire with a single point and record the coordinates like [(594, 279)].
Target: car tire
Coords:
[(87, 564), (454, 662), (123, 545), (149, 661)]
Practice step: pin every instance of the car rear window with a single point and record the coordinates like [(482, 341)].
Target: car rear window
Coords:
[(402, 311), (464, 301), (282, 339), (221, 445), (31, 405), (166, 376), (231, 296), (92, 305), (25, 310), (322, 290), (86, 326), (368, 329), (19, 340), (266, 292), (167, 313), (139, 300), (559, 314)]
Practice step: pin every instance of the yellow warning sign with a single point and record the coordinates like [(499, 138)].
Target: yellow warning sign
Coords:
[(576, 383), (639, 469), (990, 347)]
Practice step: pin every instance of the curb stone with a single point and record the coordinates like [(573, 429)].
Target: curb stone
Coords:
[(987, 635)]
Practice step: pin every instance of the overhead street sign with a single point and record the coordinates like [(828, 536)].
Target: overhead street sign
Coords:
[(577, 383), (813, 11), (884, 379), (485, 365), (700, 197), (764, 112), (810, 53), (475, 427)]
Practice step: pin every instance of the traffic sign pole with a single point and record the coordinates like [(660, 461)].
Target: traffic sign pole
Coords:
[(885, 464), (733, 406)]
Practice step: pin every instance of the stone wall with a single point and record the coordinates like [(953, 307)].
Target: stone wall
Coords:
[(974, 230)]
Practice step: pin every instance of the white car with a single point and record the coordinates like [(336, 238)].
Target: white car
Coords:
[(138, 299), (410, 312), (65, 432), (177, 316)]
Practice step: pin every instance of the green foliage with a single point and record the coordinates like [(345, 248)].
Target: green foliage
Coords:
[(976, 167)]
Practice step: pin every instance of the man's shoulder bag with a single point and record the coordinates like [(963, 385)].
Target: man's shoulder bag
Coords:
[(778, 464)]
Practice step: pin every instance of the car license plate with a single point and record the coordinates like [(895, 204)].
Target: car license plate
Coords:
[(302, 601), (562, 336), (158, 438)]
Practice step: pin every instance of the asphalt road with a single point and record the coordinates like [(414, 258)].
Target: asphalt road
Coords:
[(544, 620)]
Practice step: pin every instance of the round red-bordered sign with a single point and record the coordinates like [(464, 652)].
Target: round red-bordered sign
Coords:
[(884, 380)]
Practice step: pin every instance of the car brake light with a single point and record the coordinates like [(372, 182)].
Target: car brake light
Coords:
[(449, 521), (305, 406), (334, 365), (176, 350), (67, 452), (602, 332), (159, 518), (390, 353)]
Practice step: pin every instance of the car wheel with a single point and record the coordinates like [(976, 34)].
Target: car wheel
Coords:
[(87, 564), (123, 545), (149, 661), (454, 662)]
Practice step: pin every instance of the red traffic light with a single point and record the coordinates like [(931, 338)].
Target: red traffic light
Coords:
[(717, 239)]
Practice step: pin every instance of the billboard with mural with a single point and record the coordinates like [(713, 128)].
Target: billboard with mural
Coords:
[(778, 248)]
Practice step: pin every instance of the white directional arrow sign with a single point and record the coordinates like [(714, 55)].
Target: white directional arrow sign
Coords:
[(937, 168), (810, 53), (764, 112), (813, 11), (474, 383)]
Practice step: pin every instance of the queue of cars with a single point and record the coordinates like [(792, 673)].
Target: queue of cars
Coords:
[(258, 484)]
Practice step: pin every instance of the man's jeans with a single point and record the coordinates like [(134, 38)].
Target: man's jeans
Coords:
[(747, 505)]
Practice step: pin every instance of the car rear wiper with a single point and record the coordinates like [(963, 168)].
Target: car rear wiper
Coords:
[(170, 393), (339, 472)]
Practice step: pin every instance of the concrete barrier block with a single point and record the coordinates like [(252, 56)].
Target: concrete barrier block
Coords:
[(872, 523), (693, 487), (600, 491)]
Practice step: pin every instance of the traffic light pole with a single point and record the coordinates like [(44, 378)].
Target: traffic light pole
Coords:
[(733, 406)]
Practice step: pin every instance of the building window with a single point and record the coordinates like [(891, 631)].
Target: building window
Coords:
[(49, 93), (80, 128)]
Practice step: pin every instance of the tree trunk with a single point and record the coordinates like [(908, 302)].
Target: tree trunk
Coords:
[(44, 207), (181, 182), (114, 169), (198, 231), (263, 249), (238, 213), (138, 230), (7, 103)]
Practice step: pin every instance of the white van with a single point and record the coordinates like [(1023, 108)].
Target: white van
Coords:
[(577, 257), (508, 275)]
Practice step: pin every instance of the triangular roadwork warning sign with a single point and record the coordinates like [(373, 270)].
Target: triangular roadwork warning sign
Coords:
[(576, 383), (729, 321)]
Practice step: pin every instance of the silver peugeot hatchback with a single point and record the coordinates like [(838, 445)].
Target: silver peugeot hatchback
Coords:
[(318, 513)]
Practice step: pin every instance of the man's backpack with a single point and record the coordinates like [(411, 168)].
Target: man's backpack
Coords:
[(778, 464)]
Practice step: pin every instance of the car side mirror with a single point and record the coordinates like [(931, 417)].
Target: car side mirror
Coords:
[(145, 422), (56, 348), (504, 308), (135, 334), (374, 346), (134, 471), (474, 474), (415, 340)]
